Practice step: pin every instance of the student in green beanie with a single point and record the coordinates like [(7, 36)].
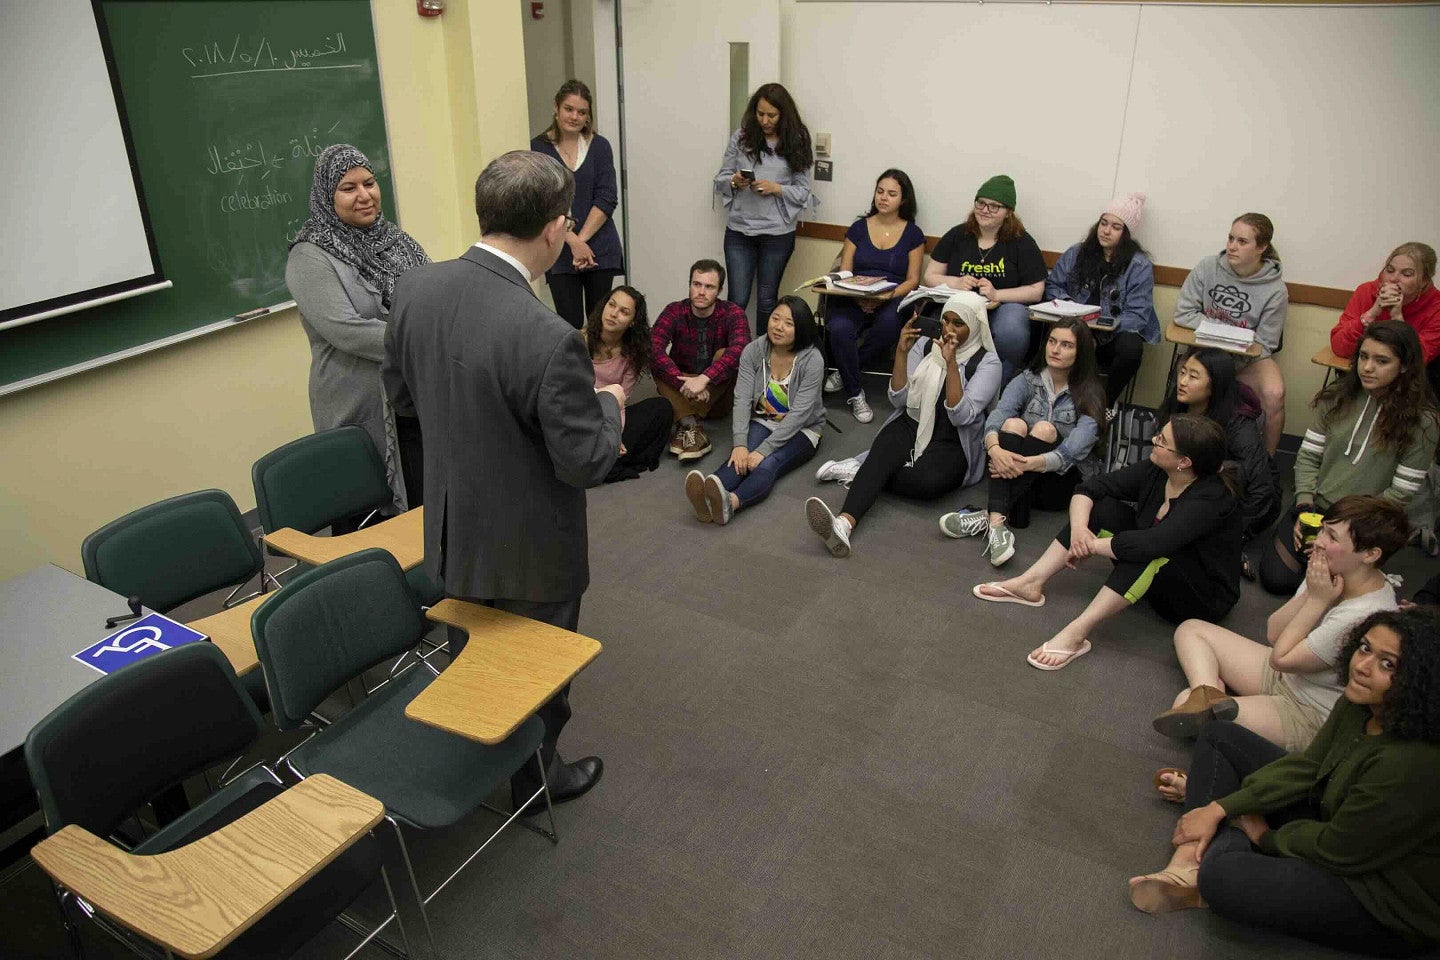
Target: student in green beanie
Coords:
[(992, 254)]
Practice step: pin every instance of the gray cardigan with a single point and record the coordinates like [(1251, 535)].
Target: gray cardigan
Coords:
[(968, 416), (343, 318), (807, 406)]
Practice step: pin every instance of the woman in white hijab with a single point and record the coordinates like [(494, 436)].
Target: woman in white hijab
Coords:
[(931, 444)]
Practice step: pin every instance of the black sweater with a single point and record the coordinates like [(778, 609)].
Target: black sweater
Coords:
[(1202, 530)]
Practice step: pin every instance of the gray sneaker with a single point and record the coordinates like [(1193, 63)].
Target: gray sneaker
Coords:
[(964, 523), (828, 527), (859, 409), (1001, 546), (832, 382)]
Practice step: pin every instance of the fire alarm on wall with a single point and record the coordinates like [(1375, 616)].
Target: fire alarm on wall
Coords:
[(537, 10), (429, 8)]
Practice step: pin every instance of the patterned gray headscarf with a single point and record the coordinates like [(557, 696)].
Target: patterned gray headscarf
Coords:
[(379, 252)]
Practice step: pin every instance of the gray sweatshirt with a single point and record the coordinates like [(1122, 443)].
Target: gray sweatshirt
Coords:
[(807, 406), (1215, 291)]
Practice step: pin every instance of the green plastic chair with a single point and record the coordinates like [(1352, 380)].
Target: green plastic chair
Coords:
[(310, 483), (174, 551), (109, 749), (328, 626)]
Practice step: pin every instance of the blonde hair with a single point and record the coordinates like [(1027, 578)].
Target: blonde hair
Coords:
[(1422, 253)]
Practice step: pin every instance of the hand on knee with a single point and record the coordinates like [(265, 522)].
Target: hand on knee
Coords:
[(1045, 432), (1016, 426)]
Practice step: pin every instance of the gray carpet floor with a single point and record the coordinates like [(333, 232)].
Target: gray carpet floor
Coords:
[(810, 757)]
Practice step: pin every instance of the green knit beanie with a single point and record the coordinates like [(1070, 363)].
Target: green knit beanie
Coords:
[(999, 188)]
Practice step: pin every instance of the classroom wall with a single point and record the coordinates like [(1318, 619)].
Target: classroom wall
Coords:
[(1307, 329), (548, 61), (80, 451)]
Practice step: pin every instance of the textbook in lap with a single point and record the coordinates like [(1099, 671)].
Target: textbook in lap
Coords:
[(1212, 333), (845, 280)]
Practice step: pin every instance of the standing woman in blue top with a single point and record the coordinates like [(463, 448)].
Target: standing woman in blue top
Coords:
[(581, 277), (764, 181), (885, 242), (1110, 270)]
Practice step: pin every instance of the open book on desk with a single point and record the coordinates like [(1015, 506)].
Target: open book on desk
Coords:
[(848, 282)]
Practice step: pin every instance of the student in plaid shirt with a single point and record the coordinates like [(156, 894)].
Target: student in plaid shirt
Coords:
[(696, 352)]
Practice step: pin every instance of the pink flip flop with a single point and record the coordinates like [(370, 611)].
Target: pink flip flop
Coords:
[(1008, 596), (1070, 656)]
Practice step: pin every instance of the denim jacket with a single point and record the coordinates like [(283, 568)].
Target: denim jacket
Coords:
[(1131, 299), (1032, 397)]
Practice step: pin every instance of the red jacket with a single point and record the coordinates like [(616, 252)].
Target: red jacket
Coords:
[(1423, 314)]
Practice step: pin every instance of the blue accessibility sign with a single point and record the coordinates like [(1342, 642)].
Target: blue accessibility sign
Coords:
[(144, 638)]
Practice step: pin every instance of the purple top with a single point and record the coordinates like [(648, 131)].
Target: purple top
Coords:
[(892, 264), (594, 187)]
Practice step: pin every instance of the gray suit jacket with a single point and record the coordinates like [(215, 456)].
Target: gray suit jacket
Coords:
[(514, 431)]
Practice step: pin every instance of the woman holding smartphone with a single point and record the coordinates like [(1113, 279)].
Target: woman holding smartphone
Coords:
[(764, 182)]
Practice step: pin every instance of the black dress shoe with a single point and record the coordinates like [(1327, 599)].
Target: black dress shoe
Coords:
[(566, 781)]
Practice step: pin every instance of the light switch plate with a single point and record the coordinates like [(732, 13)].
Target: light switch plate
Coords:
[(822, 144)]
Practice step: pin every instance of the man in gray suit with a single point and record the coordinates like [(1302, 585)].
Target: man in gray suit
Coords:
[(515, 430)]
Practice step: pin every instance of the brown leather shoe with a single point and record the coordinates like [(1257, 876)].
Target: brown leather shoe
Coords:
[(1204, 703), (675, 438), (694, 444)]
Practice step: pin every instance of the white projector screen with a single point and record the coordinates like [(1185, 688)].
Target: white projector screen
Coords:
[(72, 223)]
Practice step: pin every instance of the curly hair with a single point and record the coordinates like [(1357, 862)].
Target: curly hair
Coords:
[(635, 344), (794, 146), (1410, 709), (1407, 401)]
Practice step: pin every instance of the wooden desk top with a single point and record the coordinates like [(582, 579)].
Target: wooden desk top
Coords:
[(510, 667), (1186, 337), (197, 899), (403, 536), (1327, 358), (852, 294), (230, 631)]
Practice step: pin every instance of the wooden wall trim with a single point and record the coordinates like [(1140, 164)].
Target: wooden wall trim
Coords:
[(1333, 297)]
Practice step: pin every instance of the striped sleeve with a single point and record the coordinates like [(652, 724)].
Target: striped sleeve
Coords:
[(1307, 465), (1411, 470)]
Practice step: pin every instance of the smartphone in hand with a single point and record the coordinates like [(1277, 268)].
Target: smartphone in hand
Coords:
[(747, 175), (928, 326)]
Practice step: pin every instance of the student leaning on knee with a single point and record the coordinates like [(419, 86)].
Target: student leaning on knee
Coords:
[(1375, 432), (1284, 689), (1039, 439), (777, 418), (1339, 844)]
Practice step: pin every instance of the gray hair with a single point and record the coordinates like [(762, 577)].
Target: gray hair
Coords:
[(519, 192)]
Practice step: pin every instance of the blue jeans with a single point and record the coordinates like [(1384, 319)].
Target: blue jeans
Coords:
[(843, 322), (757, 484), (765, 256), (1010, 328)]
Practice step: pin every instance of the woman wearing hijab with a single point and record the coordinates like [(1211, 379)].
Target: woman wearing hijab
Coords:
[(341, 273), (931, 444)]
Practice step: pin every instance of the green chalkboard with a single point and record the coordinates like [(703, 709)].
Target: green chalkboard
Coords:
[(227, 103)]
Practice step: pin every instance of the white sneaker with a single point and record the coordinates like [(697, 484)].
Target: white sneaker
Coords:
[(832, 382), (828, 527), (964, 523), (842, 470), (859, 409)]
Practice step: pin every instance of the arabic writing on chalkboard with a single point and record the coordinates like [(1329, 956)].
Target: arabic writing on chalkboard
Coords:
[(263, 59)]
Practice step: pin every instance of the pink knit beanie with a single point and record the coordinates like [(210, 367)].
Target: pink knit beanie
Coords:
[(1130, 208)]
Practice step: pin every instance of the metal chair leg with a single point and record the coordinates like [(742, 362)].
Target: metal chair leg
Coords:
[(420, 899)]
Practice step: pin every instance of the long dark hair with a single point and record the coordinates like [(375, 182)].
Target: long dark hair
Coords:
[(794, 146), (635, 344), (576, 88), (1092, 269), (1224, 388), (908, 206), (1408, 400), (1084, 378), (1410, 709)]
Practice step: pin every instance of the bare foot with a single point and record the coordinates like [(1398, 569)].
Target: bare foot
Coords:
[(1058, 650), (1170, 784), (1016, 587)]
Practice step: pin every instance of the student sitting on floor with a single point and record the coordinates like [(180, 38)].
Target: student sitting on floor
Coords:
[(1110, 270), (695, 347), (1205, 383), (1039, 438), (1284, 689), (1375, 432), (931, 443), (1339, 844), (1177, 547), (617, 334), (777, 418)]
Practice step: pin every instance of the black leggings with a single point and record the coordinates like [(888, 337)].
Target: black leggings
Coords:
[(1048, 491), (1175, 586), (1282, 567), (1118, 354), (647, 432), (1287, 894), (940, 469), (577, 294)]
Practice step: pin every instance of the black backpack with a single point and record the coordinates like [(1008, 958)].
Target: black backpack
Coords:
[(1131, 433)]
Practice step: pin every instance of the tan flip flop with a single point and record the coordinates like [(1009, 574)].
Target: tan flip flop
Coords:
[(1069, 655), (1008, 597)]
